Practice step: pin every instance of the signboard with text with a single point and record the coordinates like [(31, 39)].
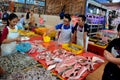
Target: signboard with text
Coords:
[(41, 3), (29, 1), (21, 1)]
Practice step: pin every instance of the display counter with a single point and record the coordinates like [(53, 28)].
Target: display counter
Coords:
[(50, 55), (97, 49), (54, 49), (111, 34), (97, 45)]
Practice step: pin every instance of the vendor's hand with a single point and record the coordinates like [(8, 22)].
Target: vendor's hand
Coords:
[(56, 38), (73, 40), (118, 66), (108, 55), (18, 39), (45, 34), (70, 42), (84, 50)]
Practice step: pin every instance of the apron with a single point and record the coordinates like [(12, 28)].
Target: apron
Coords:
[(65, 35), (9, 48), (80, 38)]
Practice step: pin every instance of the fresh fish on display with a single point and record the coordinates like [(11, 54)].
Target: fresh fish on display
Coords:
[(79, 74), (36, 42), (75, 48), (71, 71), (35, 73), (16, 62), (37, 48), (101, 43), (57, 60), (67, 64), (51, 67), (97, 59), (24, 38)]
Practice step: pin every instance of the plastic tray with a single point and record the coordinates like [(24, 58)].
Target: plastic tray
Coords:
[(67, 47)]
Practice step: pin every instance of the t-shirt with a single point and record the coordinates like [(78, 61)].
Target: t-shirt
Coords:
[(86, 28), (0, 37), (41, 21), (4, 34), (0, 15), (22, 21), (32, 20), (59, 26), (111, 68), (114, 43)]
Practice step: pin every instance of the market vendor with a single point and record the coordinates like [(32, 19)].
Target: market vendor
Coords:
[(64, 30), (10, 36), (112, 68), (81, 30)]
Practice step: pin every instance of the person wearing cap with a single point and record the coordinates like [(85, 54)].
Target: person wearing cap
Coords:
[(112, 68)]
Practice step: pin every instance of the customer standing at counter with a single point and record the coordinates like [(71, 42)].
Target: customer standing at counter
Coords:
[(81, 30), (10, 35), (64, 30), (27, 16), (32, 19), (112, 69), (5, 16)]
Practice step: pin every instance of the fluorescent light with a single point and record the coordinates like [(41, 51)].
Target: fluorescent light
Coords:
[(115, 0)]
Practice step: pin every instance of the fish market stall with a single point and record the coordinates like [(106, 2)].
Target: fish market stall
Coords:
[(61, 62), (54, 58)]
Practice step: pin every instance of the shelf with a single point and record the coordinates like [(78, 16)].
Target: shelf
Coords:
[(94, 28), (95, 24), (92, 33)]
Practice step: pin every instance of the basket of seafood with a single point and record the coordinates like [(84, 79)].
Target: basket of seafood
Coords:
[(100, 44), (32, 73), (76, 49)]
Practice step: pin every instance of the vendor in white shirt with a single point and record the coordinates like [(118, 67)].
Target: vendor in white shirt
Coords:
[(10, 36), (81, 30), (64, 30)]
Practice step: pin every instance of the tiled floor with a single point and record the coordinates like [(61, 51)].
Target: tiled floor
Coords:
[(97, 74)]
